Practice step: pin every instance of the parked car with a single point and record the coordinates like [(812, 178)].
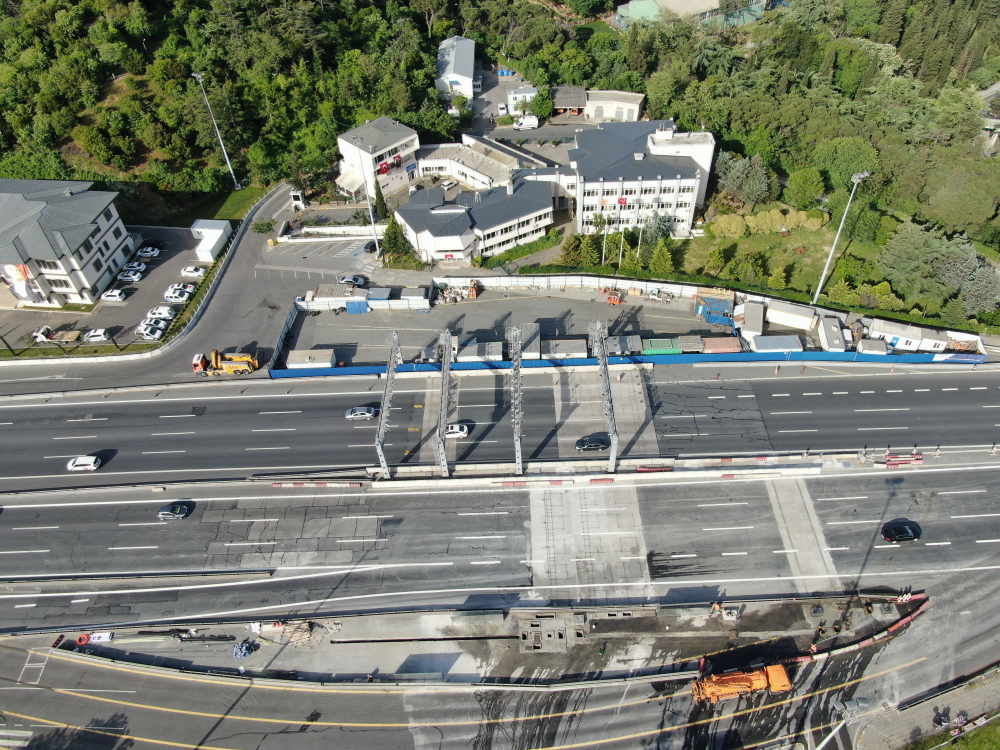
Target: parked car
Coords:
[(158, 323), (593, 443), (528, 122), (113, 295), (455, 431), (359, 412), (134, 265), (175, 297), (449, 184), (502, 110), (130, 276), (173, 512), (167, 313), (189, 288), (353, 280), (148, 252), (193, 272), (370, 246), (84, 463), (96, 335), (148, 334)]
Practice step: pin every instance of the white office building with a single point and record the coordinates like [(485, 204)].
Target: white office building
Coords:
[(516, 96), (613, 106), (59, 241), (382, 150), (456, 68)]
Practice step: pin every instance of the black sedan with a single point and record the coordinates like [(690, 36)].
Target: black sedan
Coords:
[(593, 443), (900, 531)]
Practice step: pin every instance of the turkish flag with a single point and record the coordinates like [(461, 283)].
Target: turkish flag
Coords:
[(622, 201), (384, 167)]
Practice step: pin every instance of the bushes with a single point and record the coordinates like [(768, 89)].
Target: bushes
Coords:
[(733, 226), (521, 251), (730, 226)]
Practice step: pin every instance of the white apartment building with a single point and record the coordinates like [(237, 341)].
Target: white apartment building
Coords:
[(622, 174), (484, 223), (456, 68), (382, 150), (59, 241)]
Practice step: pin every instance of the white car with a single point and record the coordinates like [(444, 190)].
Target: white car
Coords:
[(502, 110), (130, 276), (158, 323), (148, 334), (113, 295), (148, 252), (189, 288), (448, 184), (193, 272), (529, 122), (96, 335), (353, 280), (176, 297), (84, 463), (455, 431), (134, 266), (167, 313), (359, 412)]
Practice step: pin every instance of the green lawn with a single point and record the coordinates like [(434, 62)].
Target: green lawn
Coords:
[(231, 206), (595, 27), (72, 350)]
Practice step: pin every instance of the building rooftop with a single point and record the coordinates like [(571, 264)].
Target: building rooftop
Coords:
[(456, 57), (47, 219), (569, 97), (610, 152), (428, 211), (377, 135), (522, 91), (615, 96), (523, 158)]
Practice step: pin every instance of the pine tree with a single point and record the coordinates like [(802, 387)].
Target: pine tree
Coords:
[(631, 262), (662, 262), (590, 250), (892, 22), (777, 279), (571, 251), (953, 312), (380, 208), (394, 241)]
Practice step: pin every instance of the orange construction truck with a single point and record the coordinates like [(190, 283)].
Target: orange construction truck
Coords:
[(720, 687)]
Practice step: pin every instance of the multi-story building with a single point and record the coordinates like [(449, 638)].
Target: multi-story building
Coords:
[(382, 150), (456, 68), (484, 223), (59, 241), (621, 174)]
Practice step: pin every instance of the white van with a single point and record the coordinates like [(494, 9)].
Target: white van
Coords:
[(528, 122)]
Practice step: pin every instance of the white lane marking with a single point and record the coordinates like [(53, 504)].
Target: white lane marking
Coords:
[(676, 557), (366, 516), (358, 541), (727, 528), (487, 562), (281, 412), (76, 437), (687, 416), (129, 548), (717, 505), (776, 413), (175, 416), (285, 448), (91, 419), (836, 549), (798, 430), (485, 513), (784, 552), (900, 390), (276, 429), (812, 394), (145, 523), (980, 515), (949, 389), (937, 544), (962, 492), (988, 541), (582, 559), (633, 558), (921, 390), (874, 429), (884, 546), (22, 551), (33, 528), (853, 497), (686, 434), (251, 520), (6, 423), (840, 393), (78, 601), (154, 453), (21, 606), (859, 410), (712, 398), (978, 388), (733, 554), (850, 523), (248, 544), (778, 395), (748, 396), (158, 434), (868, 391), (480, 537)]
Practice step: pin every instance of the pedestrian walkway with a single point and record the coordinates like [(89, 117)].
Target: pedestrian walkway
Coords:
[(937, 715)]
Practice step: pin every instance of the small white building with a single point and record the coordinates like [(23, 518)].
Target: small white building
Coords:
[(615, 106), (382, 150), (520, 94), (456, 67), (831, 334), (790, 315), (907, 338), (213, 235)]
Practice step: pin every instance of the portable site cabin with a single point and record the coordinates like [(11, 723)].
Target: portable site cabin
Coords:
[(722, 344), (569, 348), (749, 318), (623, 346), (872, 346), (772, 344), (791, 316), (831, 335), (660, 346)]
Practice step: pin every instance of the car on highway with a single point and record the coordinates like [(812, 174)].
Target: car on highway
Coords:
[(593, 443), (96, 335), (167, 313), (113, 295), (173, 512), (148, 252), (370, 246), (193, 272), (189, 288), (359, 412), (898, 531), (455, 431), (148, 334), (502, 110), (84, 463), (528, 122), (158, 323), (130, 276), (175, 296), (353, 280), (134, 265)]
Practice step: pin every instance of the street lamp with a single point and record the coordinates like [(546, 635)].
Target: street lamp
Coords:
[(198, 77), (364, 176), (857, 179)]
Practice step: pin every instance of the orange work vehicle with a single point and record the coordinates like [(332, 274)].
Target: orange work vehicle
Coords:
[(720, 687), (223, 364)]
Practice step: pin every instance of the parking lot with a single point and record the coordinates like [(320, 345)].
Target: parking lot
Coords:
[(315, 261), (118, 318)]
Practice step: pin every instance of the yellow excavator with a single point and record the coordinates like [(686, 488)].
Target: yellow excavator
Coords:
[(223, 364)]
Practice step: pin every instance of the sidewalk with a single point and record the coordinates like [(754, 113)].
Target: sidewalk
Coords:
[(898, 728)]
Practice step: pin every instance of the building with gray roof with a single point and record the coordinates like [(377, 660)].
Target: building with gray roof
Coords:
[(381, 149), (456, 67), (59, 241), (572, 99), (483, 223)]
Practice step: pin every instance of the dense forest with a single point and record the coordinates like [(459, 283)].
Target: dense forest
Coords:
[(816, 90)]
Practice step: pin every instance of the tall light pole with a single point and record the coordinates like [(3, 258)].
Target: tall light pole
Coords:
[(198, 77), (371, 214), (857, 179)]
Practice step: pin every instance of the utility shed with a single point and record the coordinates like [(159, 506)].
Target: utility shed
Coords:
[(575, 348), (749, 318), (722, 344), (487, 351), (776, 344), (300, 359), (933, 341), (899, 336), (531, 341), (831, 335), (691, 344), (660, 346), (621, 346), (872, 346), (791, 316)]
